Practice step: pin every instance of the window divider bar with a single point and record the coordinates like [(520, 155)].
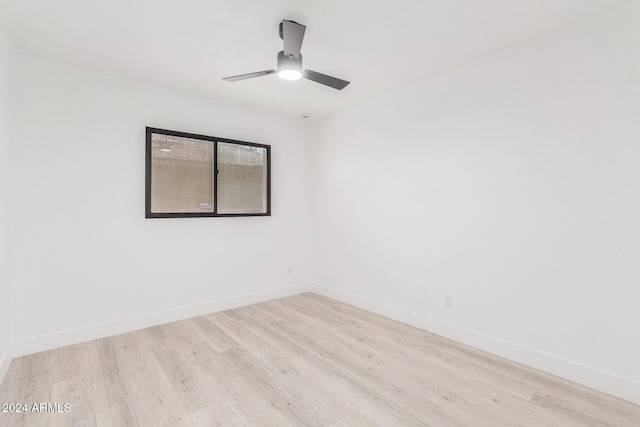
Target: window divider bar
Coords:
[(215, 177)]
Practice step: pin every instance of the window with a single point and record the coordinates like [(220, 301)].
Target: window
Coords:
[(191, 175)]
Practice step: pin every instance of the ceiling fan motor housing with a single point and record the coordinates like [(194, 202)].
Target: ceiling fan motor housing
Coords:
[(289, 62), (281, 27)]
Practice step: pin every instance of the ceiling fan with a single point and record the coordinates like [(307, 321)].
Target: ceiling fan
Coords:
[(290, 60)]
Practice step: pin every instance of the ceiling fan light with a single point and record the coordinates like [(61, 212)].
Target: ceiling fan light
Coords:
[(289, 74), (289, 67)]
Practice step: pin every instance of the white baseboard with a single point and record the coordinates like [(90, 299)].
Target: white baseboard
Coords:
[(5, 361), (589, 376), (63, 338)]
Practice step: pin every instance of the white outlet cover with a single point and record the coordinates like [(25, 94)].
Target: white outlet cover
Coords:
[(448, 302)]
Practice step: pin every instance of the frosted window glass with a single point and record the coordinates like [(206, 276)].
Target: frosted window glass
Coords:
[(181, 174), (242, 179)]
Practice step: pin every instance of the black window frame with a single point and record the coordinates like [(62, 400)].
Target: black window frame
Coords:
[(148, 214)]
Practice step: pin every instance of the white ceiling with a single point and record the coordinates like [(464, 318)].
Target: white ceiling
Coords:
[(189, 45)]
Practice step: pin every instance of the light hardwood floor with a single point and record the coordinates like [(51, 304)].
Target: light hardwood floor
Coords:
[(304, 360)]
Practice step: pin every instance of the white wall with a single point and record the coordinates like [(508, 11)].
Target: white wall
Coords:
[(6, 57), (83, 252), (512, 184)]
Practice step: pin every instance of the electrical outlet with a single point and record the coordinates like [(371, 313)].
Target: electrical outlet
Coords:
[(448, 301)]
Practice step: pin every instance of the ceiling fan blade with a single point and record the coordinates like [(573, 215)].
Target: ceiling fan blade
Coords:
[(248, 76), (292, 34), (325, 80)]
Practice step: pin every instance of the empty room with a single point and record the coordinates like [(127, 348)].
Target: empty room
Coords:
[(294, 213)]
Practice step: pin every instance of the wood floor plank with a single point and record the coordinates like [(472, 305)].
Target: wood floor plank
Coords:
[(74, 385), (327, 392), (498, 408), (347, 384), (284, 399), (218, 339), (305, 360), (274, 419), (118, 402), (199, 366), (305, 346), (195, 391), (217, 416), (233, 328), (568, 408), (156, 401), (32, 383)]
